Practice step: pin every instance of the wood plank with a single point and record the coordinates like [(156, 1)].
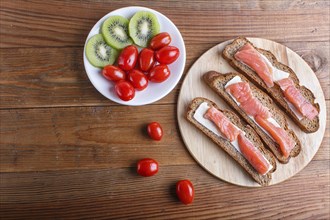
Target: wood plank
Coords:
[(28, 79), (121, 194), (94, 137), (56, 24), (85, 137)]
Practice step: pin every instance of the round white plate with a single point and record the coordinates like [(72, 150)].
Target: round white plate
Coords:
[(154, 91)]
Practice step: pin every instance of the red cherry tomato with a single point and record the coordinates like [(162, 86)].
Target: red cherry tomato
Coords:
[(113, 73), (147, 167), (125, 90), (160, 40), (167, 54), (155, 131), (146, 59), (159, 73), (128, 57), (138, 79), (185, 191)]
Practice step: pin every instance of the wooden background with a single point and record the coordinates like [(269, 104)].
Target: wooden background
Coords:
[(67, 152)]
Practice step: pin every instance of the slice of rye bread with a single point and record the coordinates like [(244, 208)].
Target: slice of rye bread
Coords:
[(228, 147), (275, 92), (217, 82)]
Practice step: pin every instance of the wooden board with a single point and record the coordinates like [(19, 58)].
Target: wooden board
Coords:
[(208, 154)]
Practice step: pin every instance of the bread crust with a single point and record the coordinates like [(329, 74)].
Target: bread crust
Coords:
[(305, 124), (217, 82), (226, 145)]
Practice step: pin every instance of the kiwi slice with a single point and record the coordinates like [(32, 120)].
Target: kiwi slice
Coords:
[(99, 53), (115, 32), (142, 27)]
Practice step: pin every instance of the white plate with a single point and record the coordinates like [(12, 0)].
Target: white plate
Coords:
[(154, 91)]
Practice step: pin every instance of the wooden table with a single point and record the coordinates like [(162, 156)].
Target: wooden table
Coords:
[(68, 152)]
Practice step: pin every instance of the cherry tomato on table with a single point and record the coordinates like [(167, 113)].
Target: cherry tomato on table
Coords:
[(125, 90), (146, 59), (128, 57), (113, 73), (167, 54), (147, 167), (155, 131), (159, 73), (138, 79), (160, 40), (185, 191)]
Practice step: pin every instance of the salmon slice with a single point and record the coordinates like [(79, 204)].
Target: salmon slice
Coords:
[(278, 134), (251, 57), (250, 105), (224, 125), (294, 96), (253, 155)]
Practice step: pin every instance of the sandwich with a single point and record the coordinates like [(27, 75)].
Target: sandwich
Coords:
[(279, 81), (258, 110), (234, 136)]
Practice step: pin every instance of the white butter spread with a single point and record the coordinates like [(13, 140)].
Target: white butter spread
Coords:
[(199, 116), (295, 111), (277, 74), (234, 80)]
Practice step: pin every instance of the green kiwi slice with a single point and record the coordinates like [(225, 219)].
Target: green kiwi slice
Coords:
[(115, 32), (99, 53), (142, 27)]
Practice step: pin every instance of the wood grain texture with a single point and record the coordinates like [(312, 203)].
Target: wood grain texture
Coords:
[(208, 154), (121, 194), (28, 79), (66, 152), (62, 24)]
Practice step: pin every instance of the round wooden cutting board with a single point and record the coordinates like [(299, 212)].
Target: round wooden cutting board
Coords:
[(212, 157)]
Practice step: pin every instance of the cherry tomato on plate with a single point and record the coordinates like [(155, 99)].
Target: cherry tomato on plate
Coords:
[(155, 131), (113, 73), (160, 40), (159, 73), (146, 59), (185, 191), (167, 54), (147, 167), (125, 90), (128, 57), (138, 79)]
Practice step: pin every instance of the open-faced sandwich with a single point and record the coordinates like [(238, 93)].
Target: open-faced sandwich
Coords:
[(278, 80), (258, 109), (234, 136)]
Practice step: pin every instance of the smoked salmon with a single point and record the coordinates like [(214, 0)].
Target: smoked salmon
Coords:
[(278, 134), (251, 57), (294, 96), (224, 125), (249, 104), (253, 155)]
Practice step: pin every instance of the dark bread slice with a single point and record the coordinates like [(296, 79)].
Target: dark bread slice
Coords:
[(275, 92), (217, 82), (226, 145)]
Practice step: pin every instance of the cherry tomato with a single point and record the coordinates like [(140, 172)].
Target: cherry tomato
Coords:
[(159, 73), (155, 131), (146, 59), (185, 191), (167, 54), (128, 57), (125, 90), (138, 79), (147, 167), (113, 73), (160, 40)]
